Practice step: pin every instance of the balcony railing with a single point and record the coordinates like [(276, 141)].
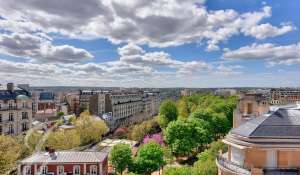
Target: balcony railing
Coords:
[(5, 108), (231, 166)]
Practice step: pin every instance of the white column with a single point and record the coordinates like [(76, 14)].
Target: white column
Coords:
[(84, 169), (100, 168), (19, 170), (35, 169)]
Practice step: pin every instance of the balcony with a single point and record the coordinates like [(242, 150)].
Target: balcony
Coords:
[(226, 165)]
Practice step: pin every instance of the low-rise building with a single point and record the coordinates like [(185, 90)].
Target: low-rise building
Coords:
[(15, 110), (65, 163)]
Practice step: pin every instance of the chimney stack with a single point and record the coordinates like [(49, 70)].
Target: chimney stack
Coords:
[(10, 87)]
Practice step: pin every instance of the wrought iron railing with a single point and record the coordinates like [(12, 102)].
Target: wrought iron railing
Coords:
[(239, 169)]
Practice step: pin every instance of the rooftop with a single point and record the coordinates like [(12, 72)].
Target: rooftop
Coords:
[(283, 122), (67, 157)]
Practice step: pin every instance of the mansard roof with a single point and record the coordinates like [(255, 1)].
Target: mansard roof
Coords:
[(283, 122)]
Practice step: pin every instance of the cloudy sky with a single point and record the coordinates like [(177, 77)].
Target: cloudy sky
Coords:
[(157, 43)]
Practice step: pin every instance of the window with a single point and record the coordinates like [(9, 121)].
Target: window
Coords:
[(60, 170), (24, 115), (24, 104), (0, 105), (10, 129), (0, 117), (93, 170), (24, 126), (76, 170), (11, 117), (44, 170), (10, 105), (0, 130), (27, 170)]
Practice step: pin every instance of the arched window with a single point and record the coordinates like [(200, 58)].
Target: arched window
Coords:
[(93, 170)]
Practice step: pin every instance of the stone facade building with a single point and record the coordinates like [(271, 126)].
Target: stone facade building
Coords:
[(124, 108), (15, 110)]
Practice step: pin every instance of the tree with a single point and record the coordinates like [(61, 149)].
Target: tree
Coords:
[(150, 157), (183, 108), (60, 114), (177, 171), (145, 128), (167, 113), (184, 135), (120, 157), (89, 128), (9, 153), (63, 139)]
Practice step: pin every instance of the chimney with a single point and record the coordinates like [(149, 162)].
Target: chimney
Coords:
[(52, 153), (10, 87)]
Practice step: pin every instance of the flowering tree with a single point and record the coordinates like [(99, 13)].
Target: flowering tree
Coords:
[(155, 137)]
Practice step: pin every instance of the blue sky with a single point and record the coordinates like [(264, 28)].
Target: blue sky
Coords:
[(159, 43)]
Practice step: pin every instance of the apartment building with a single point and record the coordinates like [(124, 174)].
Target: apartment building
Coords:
[(266, 143), (72, 100), (84, 99), (284, 96), (15, 110), (123, 107)]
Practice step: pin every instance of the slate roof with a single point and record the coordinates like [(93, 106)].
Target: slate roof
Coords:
[(282, 123), (8, 95), (46, 96), (67, 157)]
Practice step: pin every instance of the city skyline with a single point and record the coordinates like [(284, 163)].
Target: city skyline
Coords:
[(198, 44)]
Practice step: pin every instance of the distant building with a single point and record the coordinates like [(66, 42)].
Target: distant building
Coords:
[(249, 106), (84, 99), (268, 144), (15, 110), (185, 93), (121, 108), (284, 96), (72, 100), (65, 163), (225, 92), (45, 106)]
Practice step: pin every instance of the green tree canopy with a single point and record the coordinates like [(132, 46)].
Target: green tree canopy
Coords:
[(150, 157), (63, 139), (167, 113), (120, 157), (177, 171), (184, 135)]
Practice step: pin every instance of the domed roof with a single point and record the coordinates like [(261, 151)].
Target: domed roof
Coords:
[(22, 97)]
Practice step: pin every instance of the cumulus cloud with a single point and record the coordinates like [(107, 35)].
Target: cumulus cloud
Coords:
[(158, 23), (37, 48), (274, 54), (138, 56)]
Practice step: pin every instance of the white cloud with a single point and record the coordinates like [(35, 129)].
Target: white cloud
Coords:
[(274, 54), (37, 48), (158, 23)]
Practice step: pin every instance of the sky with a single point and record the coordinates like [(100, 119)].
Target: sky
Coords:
[(157, 43)]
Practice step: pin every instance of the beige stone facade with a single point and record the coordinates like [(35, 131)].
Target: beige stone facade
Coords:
[(15, 112)]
